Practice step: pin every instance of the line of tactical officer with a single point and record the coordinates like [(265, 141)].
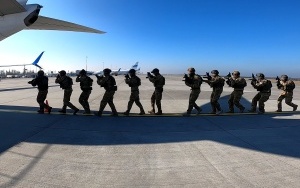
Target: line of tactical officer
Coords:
[(192, 80), (234, 80)]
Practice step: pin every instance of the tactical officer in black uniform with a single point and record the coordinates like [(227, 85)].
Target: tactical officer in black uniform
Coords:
[(42, 82), (133, 82), (86, 86), (66, 83), (193, 81), (216, 82), (158, 81), (263, 86), (109, 84)]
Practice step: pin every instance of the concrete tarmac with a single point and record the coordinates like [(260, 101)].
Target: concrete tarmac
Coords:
[(170, 151)]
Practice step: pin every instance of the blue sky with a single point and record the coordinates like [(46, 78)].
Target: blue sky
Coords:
[(172, 35)]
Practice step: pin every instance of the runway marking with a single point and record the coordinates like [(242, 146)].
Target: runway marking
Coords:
[(152, 115)]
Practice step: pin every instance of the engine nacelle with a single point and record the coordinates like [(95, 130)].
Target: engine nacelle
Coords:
[(32, 17), (13, 23)]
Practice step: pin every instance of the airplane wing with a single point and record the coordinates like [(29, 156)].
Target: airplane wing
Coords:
[(10, 7), (35, 63), (45, 23)]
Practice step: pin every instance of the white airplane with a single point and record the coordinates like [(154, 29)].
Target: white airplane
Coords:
[(125, 71), (35, 63), (101, 72), (16, 15), (119, 71)]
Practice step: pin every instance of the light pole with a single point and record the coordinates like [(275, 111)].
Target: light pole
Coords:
[(86, 63)]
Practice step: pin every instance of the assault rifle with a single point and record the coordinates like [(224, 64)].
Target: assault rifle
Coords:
[(278, 81), (99, 77), (207, 76), (185, 77), (253, 78), (228, 76), (149, 75)]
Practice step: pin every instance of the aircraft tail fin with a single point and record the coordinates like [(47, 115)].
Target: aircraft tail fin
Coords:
[(135, 66), (35, 63)]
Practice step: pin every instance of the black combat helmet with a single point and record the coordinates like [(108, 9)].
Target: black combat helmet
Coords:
[(82, 72), (131, 71), (191, 70), (62, 73), (216, 72), (284, 77), (260, 75), (40, 73), (107, 71), (236, 73), (155, 70)]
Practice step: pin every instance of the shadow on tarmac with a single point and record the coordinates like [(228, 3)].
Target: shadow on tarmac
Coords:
[(271, 133)]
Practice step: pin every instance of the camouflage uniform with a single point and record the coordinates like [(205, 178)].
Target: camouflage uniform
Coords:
[(194, 82), (158, 82), (287, 93), (217, 84), (66, 84), (134, 82), (109, 84), (86, 87), (238, 84), (42, 83), (264, 88)]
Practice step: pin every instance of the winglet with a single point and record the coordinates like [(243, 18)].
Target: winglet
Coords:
[(35, 63)]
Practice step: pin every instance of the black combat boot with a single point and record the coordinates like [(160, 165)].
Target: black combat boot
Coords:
[(242, 110), (126, 113), (41, 111), (62, 111), (199, 110), (159, 112), (75, 111), (99, 113), (295, 107), (230, 111), (261, 111), (49, 110), (252, 110), (115, 114), (187, 114), (142, 112)]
